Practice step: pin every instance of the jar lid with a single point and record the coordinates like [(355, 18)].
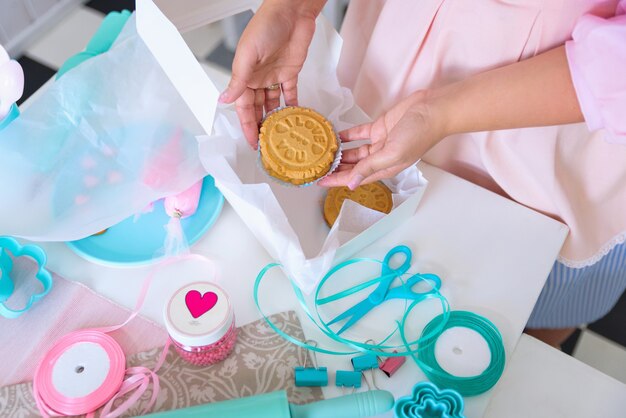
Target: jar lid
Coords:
[(198, 314)]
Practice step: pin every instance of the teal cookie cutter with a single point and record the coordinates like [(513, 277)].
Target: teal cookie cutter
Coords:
[(10, 245), (428, 401)]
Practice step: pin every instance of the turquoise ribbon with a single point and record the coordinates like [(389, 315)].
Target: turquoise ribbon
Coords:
[(421, 350), (399, 350)]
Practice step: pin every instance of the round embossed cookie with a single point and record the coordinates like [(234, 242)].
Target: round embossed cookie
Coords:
[(375, 196), (298, 145)]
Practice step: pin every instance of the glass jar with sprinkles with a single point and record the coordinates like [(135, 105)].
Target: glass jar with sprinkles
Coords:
[(201, 323)]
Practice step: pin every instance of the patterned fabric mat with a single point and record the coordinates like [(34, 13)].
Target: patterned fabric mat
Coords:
[(261, 362)]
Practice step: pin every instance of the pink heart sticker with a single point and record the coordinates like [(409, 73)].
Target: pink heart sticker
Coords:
[(199, 304)]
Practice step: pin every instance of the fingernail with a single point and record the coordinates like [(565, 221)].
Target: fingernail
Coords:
[(354, 183), (223, 97)]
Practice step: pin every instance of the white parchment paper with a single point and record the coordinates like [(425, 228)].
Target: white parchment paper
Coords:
[(289, 221)]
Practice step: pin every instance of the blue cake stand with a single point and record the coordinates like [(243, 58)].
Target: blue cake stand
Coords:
[(136, 240)]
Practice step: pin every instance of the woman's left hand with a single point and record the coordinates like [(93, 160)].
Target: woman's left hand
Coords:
[(398, 139)]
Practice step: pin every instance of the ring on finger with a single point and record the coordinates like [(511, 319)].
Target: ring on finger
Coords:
[(275, 86)]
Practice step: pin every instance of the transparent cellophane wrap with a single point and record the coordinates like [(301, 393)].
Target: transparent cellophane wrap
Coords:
[(98, 145)]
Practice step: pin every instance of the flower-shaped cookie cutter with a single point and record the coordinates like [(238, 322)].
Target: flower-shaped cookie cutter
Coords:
[(428, 401), (10, 245)]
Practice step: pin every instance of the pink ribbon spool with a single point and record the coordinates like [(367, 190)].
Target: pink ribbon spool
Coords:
[(53, 401), (85, 352)]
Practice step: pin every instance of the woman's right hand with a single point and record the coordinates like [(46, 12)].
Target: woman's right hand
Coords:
[(397, 140), (271, 52)]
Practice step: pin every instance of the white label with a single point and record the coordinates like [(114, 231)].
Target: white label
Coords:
[(462, 352), (199, 309), (80, 370)]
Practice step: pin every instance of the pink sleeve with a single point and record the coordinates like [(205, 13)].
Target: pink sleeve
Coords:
[(597, 61)]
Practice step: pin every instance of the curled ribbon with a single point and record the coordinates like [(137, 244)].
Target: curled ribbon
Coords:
[(422, 349), (399, 350)]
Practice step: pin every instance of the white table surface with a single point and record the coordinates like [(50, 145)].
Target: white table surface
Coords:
[(493, 255), (541, 382)]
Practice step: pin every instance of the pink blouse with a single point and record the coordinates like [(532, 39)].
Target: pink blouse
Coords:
[(395, 47), (597, 60)]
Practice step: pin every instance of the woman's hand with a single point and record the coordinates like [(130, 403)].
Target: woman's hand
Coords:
[(398, 139), (269, 56), (534, 92)]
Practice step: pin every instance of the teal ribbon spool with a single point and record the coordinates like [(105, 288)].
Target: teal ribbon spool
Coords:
[(466, 386)]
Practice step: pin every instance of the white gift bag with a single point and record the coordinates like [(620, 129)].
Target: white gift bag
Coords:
[(288, 221)]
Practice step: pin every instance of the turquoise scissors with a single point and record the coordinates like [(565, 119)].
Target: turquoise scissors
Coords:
[(384, 291)]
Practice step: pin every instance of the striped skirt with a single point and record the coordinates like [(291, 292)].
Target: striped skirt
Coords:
[(575, 296)]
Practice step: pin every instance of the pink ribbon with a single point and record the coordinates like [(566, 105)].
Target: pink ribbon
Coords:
[(120, 381)]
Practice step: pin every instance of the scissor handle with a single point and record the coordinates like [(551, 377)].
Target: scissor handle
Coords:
[(406, 291), (378, 295), (424, 277), (406, 264)]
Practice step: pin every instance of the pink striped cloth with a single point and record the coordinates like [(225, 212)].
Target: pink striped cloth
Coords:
[(68, 307)]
